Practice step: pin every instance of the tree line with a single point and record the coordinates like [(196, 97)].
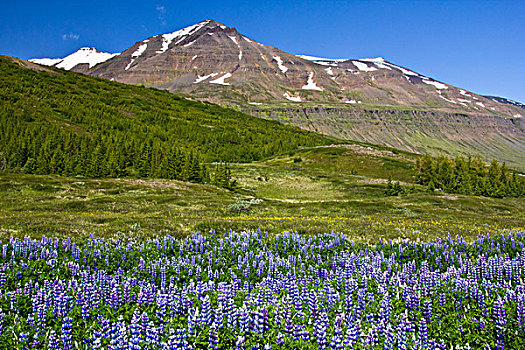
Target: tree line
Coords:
[(470, 176), (50, 150)]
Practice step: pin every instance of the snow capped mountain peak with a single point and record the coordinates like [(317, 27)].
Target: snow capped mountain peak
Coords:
[(373, 60), (86, 48), (84, 55), (320, 59), (179, 36), (46, 61)]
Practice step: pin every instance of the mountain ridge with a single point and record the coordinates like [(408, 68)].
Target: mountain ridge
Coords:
[(175, 61), (370, 99)]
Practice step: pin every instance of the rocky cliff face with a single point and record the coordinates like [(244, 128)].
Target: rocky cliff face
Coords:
[(491, 136)]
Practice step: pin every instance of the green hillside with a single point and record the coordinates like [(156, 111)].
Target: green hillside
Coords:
[(58, 122)]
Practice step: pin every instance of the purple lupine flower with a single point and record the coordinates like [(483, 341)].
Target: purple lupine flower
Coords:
[(423, 334), (279, 340), (427, 310), (206, 312), (212, 338), (53, 341), (152, 335), (321, 331), (182, 343), (520, 310), (66, 333), (351, 336), (115, 338), (500, 319), (336, 342), (389, 338), (96, 340), (373, 336), (386, 308), (401, 335), (135, 333)]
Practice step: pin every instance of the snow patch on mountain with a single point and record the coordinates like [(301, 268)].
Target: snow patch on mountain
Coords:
[(438, 85), (129, 64), (314, 59), (167, 39), (204, 77), (329, 71), (280, 64), (91, 56), (363, 66), (310, 84), (46, 61), (403, 70), (84, 55), (140, 50), (382, 65), (446, 99), (234, 39), (373, 59), (292, 98), (220, 80)]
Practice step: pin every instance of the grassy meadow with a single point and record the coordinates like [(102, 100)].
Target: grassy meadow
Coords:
[(314, 190)]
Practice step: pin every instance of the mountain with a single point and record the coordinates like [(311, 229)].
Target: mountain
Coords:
[(371, 100), (80, 61), (201, 58)]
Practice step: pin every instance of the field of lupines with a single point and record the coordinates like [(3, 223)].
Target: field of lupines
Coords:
[(252, 290)]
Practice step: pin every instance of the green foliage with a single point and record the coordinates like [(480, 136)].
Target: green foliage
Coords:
[(222, 177), (469, 176), (71, 124), (393, 188)]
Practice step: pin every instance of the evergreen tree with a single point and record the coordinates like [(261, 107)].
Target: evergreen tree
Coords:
[(30, 166), (470, 177)]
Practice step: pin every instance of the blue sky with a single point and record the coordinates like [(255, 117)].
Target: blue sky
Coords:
[(476, 45)]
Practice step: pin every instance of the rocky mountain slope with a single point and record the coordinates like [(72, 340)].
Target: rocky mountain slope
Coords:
[(506, 101), (344, 97), (199, 59)]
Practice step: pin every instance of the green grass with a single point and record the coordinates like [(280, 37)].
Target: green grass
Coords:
[(338, 188)]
